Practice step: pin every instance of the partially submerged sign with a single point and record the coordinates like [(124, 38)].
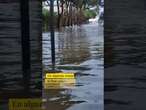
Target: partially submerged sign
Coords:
[(60, 75), (59, 80)]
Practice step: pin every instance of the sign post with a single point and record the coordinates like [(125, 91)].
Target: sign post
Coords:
[(25, 41), (52, 33)]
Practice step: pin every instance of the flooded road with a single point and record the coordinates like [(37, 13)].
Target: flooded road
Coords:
[(79, 49)]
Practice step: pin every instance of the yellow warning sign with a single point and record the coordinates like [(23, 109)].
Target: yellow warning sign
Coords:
[(59, 75), (59, 80)]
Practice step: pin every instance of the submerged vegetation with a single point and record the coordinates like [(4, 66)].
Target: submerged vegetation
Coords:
[(69, 12)]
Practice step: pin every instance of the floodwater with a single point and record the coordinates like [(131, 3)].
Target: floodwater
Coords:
[(11, 77), (125, 70), (79, 49)]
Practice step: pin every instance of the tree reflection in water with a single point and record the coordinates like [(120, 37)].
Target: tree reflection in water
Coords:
[(73, 47)]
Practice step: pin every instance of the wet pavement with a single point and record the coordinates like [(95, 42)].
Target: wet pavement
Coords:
[(79, 49)]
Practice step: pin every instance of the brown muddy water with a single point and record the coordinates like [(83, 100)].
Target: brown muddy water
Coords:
[(79, 49)]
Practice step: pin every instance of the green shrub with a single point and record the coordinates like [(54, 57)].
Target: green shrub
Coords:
[(89, 14), (46, 17)]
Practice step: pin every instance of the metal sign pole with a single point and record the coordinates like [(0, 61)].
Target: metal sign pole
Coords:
[(25, 42), (52, 33)]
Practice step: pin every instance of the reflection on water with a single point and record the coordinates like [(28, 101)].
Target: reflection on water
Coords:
[(73, 47), (80, 50)]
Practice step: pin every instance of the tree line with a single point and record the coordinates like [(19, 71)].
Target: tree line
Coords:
[(71, 12)]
